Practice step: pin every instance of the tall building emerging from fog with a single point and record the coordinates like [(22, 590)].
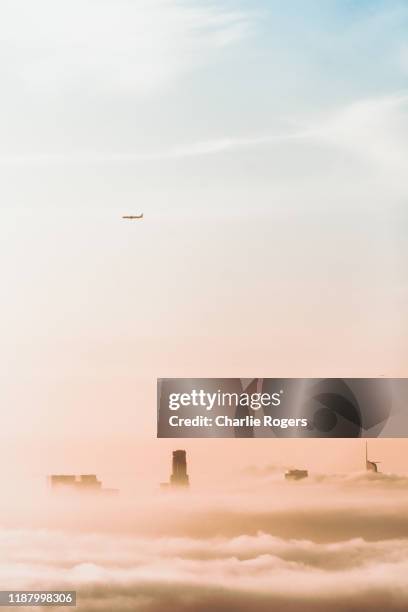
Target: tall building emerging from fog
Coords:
[(179, 477)]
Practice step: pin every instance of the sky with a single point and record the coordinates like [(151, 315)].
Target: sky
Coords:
[(266, 145)]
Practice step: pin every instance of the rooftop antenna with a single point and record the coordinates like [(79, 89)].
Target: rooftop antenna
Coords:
[(371, 466)]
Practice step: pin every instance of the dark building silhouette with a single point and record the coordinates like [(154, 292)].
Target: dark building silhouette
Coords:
[(296, 474), (62, 480), (89, 482), (179, 476), (85, 483)]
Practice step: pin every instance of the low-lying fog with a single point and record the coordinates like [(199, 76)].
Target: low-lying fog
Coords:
[(257, 541)]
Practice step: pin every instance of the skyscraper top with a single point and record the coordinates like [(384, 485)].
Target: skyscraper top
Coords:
[(179, 476)]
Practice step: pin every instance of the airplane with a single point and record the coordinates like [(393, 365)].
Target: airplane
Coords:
[(131, 217)]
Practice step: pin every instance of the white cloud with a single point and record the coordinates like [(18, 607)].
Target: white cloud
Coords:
[(261, 565), (106, 45), (374, 129)]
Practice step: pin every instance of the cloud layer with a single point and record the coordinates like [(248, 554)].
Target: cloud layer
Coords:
[(119, 573), (259, 544)]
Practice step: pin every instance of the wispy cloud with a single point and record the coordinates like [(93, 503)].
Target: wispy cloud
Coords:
[(370, 130), (178, 152), (110, 46), (374, 129)]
